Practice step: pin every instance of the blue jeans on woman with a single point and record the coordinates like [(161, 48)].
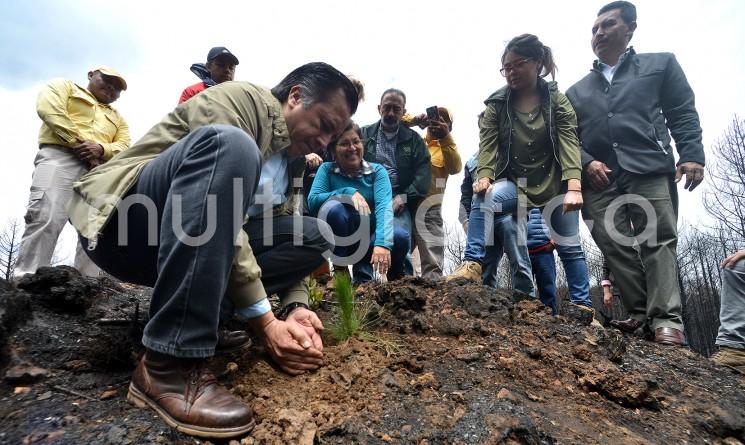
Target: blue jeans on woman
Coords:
[(345, 221), (501, 200), (508, 230), (544, 267)]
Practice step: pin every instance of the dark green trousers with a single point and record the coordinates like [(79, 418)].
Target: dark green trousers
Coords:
[(634, 223)]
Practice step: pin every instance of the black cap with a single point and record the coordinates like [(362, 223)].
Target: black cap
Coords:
[(221, 51)]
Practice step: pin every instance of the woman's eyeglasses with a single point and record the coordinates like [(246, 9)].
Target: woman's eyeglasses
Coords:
[(513, 66), (348, 143)]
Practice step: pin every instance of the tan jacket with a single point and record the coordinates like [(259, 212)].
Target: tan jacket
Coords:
[(70, 114), (241, 104), (445, 162)]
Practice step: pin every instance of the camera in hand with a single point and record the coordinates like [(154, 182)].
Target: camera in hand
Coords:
[(433, 113)]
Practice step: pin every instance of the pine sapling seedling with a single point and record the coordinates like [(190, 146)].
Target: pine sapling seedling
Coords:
[(346, 325), (352, 318)]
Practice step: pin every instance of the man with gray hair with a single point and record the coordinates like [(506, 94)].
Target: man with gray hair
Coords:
[(405, 157), (167, 213)]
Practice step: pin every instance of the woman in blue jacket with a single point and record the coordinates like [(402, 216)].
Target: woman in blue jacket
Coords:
[(354, 197)]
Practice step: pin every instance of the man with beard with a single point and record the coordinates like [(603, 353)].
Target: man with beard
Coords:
[(405, 157)]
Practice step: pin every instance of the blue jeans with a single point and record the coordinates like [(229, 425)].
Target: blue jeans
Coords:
[(403, 222), (344, 221), (505, 235), (502, 200), (544, 267), (189, 281)]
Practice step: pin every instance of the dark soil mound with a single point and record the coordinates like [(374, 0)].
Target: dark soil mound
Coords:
[(450, 363)]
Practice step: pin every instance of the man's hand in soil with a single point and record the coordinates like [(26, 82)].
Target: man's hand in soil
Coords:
[(310, 323), (88, 151), (288, 343)]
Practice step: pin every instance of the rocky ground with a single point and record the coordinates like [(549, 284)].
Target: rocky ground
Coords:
[(444, 364)]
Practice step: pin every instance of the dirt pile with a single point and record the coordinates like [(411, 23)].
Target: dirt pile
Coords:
[(450, 363)]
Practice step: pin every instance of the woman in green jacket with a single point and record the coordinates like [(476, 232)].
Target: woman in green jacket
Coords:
[(529, 156)]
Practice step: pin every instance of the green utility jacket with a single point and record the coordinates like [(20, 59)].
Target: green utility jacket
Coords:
[(496, 133), (249, 107)]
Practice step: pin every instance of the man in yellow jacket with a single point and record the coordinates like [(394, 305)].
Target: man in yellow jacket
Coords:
[(445, 159), (80, 130), (168, 212)]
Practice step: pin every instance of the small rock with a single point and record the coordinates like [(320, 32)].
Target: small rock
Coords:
[(77, 365), (116, 435), (43, 437), (22, 390), (386, 438), (535, 353), (406, 429), (45, 396), (71, 420), (504, 393), (25, 373), (428, 380), (506, 361), (110, 394), (513, 429), (388, 380), (583, 352), (469, 357), (449, 325)]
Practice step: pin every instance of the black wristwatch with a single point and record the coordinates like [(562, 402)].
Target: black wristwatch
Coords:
[(283, 313)]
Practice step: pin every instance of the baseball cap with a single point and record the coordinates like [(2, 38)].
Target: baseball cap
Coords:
[(221, 51), (113, 73)]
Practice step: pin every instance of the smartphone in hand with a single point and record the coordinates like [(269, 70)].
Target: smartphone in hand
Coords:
[(433, 113)]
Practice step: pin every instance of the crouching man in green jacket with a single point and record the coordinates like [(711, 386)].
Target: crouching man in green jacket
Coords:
[(167, 213)]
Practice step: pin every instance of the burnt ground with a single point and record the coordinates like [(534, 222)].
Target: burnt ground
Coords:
[(447, 364)]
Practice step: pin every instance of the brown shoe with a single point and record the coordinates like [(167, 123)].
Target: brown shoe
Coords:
[(470, 270), (187, 397), (732, 358), (232, 341), (628, 326), (669, 336)]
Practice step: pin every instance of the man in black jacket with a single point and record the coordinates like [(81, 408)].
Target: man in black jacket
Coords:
[(627, 107)]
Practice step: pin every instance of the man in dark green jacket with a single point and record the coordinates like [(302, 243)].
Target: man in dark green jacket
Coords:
[(405, 157), (627, 107)]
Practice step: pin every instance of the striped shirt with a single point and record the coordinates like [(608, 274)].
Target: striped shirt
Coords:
[(385, 149)]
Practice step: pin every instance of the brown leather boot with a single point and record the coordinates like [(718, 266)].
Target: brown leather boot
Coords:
[(185, 394), (669, 336)]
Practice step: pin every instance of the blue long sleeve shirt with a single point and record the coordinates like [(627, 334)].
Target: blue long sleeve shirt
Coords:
[(372, 183)]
